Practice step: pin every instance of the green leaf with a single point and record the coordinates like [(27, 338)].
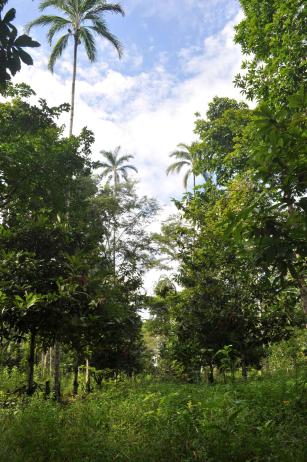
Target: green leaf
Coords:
[(32, 299), (10, 15), (14, 63), (25, 57), (26, 41)]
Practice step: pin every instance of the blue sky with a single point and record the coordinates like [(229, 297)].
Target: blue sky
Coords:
[(156, 27), (178, 55)]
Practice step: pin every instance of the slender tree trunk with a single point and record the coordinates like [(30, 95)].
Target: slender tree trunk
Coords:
[(87, 376), (47, 389), (114, 251), (19, 355), (50, 361), (57, 370), (76, 375), (233, 372), (31, 359), (114, 228), (43, 364), (210, 374), (194, 181), (244, 369), (73, 85)]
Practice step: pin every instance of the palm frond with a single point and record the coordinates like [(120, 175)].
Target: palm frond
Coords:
[(116, 151), (106, 171), (100, 28), (44, 20), (132, 167), (66, 6), (124, 173), (177, 166), (109, 156), (184, 146), (53, 3), (71, 7), (57, 51), (126, 158), (87, 38), (103, 165), (87, 5), (58, 25), (181, 155), (186, 178), (103, 7)]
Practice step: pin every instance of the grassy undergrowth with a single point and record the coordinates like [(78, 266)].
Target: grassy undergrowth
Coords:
[(262, 420)]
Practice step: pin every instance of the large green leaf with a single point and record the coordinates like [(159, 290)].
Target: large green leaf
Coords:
[(10, 15), (26, 41), (25, 57)]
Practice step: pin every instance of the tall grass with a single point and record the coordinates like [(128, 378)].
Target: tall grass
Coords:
[(262, 420)]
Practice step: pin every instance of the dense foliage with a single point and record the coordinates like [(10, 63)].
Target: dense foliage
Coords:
[(58, 248)]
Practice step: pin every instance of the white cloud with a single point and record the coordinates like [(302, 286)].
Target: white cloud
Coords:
[(150, 112)]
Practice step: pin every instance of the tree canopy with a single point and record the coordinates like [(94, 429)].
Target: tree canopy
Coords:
[(76, 240)]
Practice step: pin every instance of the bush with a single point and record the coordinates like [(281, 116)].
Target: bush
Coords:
[(289, 354)]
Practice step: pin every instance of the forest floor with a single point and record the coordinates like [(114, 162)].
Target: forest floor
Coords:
[(152, 421)]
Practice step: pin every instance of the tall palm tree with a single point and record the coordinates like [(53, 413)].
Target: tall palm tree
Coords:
[(185, 157), (114, 166), (80, 20)]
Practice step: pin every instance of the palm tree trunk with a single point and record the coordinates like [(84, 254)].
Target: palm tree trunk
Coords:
[(73, 85)]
